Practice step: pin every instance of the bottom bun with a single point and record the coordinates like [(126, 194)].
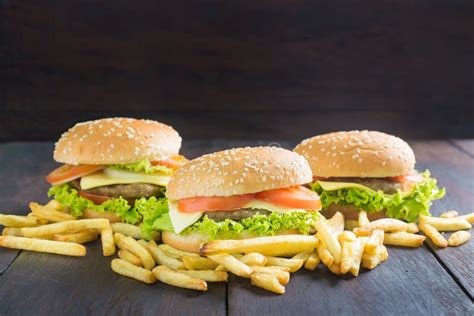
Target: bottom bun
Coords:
[(193, 242), (107, 215), (350, 212), (190, 242)]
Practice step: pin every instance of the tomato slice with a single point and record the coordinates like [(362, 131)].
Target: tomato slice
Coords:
[(96, 199), (297, 197), (213, 203), (411, 177), (67, 173), (174, 162)]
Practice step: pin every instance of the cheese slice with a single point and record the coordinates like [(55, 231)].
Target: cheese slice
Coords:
[(179, 219), (332, 186), (182, 220), (112, 176)]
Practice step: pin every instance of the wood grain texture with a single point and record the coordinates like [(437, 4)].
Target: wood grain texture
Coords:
[(410, 282), (45, 284), (465, 145), (454, 170), (22, 170), (202, 59)]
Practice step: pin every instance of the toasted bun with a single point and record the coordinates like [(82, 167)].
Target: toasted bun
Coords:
[(366, 154), (191, 242), (239, 171), (349, 212), (107, 215), (116, 140)]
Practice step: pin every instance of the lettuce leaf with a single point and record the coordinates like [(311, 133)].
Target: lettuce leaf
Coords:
[(399, 205), (143, 166), (257, 225), (154, 213)]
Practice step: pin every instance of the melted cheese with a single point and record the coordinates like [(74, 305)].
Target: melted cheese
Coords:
[(332, 186), (111, 176), (182, 220)]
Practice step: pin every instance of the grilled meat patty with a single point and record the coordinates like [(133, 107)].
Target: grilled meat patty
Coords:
[(127, 191), (387, 186), (236, 215)]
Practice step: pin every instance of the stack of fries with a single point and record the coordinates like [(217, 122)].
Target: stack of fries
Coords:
[(343, 246)]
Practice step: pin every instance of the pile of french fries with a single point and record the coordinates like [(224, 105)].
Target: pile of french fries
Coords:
[(343, 246)]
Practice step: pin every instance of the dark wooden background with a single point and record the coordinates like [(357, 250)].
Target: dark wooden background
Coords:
[(264, 69)]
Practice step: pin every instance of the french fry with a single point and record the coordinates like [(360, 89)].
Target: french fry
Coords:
[(374, 241), (293, 264), (108, 242), (283, 245), (175, 253), (12, 231), (357, 253), (254, 259), (132, 271), (302, 256), (198, 263), (129, 257), (371, 261), (312, 262), (468, 217), (49, 213), (40, 245), (362, 232), (445, 224), (330, 240), (65, 227), (325, 255), (286, 269), (41, 221), (132, 231), (449, 214), (346, 236), (434, 235), (207, 275), (220, 267), (19, 221), (346, 258), (174, 278), (363, 219), (350, 224), (162, 258), (403, 239), (388, 225), (232, 264), (267, 282), (459, 238), (282, 276), (336, 223), (138, 250), (334, 268), (78, 238), (412, 228)]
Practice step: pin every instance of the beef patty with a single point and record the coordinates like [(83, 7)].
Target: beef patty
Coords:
[(387, 186), (127, 191), (235, 215)]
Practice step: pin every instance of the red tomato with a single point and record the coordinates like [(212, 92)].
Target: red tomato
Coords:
[(174, 162), (67, 173), (213, 203), (411, 177), (297, 197), (96, 199)]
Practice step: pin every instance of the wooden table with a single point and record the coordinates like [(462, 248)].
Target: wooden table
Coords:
[(424, 280)]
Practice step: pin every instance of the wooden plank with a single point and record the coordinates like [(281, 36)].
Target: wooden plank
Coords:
[(454, 170), (466, 145), (46, 284), (410, 282), (22, 170)]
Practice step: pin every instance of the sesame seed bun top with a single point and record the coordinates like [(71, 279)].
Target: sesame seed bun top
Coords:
[(116, 141), (366, 154), (239, 171)]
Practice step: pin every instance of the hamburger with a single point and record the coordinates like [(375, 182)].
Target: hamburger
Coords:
[(238, 193), (116, 168), (370, 171)]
